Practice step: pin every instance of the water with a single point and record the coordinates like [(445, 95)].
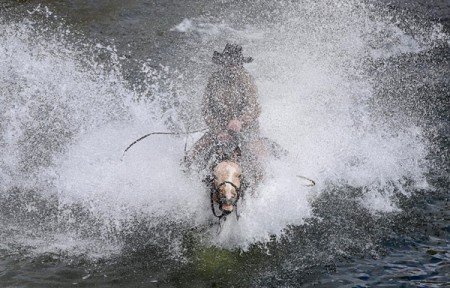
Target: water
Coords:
[(357, 93)]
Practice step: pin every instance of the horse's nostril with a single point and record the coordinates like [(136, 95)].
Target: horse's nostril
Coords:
[(227, 201)]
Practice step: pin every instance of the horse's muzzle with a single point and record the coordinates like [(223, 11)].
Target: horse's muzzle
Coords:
[(227, 205)]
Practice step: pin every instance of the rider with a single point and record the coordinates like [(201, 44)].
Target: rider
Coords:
[(230, 108)]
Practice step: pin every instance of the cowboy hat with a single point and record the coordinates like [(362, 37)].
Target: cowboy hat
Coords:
[(231, 55)]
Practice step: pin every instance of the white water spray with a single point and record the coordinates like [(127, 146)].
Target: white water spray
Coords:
[(66, 121)]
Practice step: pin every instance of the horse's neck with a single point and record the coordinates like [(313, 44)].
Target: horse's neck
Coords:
[(230, 152)]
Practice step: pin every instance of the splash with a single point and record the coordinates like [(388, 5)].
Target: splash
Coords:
[(313, 70), (66, 117)]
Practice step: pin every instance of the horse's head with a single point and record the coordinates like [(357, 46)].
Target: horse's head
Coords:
[(227, 185)]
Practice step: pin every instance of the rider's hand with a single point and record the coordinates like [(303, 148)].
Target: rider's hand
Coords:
[(235, 125)]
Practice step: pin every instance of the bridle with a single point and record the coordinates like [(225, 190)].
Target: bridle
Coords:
[(215, 191)]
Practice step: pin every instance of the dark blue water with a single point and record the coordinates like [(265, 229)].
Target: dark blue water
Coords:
[(359, 93)]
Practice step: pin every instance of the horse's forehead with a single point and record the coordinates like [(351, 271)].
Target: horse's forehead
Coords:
[(228, 166)]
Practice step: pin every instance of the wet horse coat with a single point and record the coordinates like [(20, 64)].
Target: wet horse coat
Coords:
[(227, 184)]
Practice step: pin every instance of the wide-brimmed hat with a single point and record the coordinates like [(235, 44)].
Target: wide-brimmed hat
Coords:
[(231, 55)]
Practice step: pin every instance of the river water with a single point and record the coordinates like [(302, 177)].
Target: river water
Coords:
[(356, 91)]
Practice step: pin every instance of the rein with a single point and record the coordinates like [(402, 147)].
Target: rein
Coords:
[(162, 133)]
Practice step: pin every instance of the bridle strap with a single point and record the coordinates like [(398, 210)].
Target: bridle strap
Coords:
[(212, 207), (231, 183), (217, 191)]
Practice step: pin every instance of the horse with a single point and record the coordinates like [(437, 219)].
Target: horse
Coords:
[(225, 182), (232, 174)]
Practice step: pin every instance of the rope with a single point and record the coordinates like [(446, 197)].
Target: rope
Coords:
[(161, 133)]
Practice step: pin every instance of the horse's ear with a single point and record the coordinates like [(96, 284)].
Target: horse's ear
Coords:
[(237, 154)]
